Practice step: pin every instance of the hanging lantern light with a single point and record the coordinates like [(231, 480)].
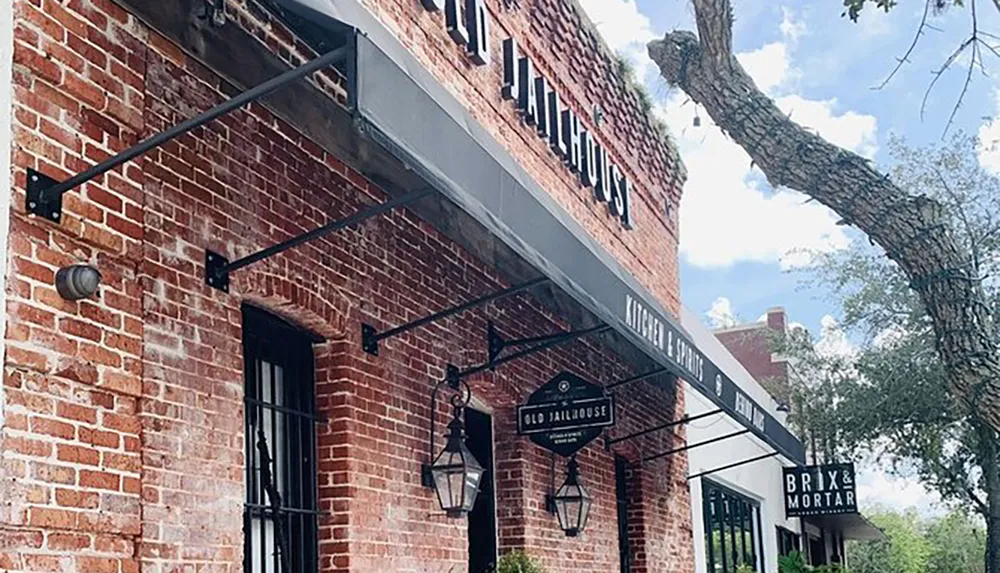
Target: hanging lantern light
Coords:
[(572, 502), (455, 473)]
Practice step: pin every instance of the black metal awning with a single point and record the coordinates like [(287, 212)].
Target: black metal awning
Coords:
[(398, 104)]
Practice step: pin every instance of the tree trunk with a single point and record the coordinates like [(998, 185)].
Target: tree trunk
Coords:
[(990, 464), (915, 232)]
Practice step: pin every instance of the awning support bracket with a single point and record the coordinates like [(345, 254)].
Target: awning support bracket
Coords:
[(695, 445), (636, 378), (217, 267), (496, 343), (608, 441), (370, 337), (733, 465), (44, 194), (457, 374)]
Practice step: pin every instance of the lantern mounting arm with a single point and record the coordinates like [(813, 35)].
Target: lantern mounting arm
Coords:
[(608, 441), (733, 465), (695, 445), (370, 337), (44, 194), (460, 388), (217, 267)]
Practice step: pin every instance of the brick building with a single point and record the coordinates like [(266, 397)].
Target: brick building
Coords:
[(207, 411), (753, 343)]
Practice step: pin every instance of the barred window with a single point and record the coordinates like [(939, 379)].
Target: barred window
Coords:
[(280, 511)]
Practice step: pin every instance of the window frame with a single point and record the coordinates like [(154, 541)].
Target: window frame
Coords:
[(288, 353), (735, 517)]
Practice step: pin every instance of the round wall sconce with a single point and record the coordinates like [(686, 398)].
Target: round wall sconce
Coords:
[(77, 282)]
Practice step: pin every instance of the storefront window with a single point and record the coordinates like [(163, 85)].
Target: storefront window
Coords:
[(788, 541), (279, 517), (732, 529)]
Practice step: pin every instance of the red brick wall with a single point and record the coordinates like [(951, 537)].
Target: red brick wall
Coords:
[(753, 346), (569, 54), (123, 434)]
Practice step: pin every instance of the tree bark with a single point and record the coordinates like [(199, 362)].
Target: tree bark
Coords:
[(990, 464), (915, 232)]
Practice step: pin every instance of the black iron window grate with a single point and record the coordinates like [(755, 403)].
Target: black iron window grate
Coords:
[(280, 510), (732, 529)]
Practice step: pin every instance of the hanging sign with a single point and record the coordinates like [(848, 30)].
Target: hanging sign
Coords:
[(565, 414), (820, 490)]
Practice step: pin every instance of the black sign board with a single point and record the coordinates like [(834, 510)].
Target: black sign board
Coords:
[(565, 414), (820, 490)]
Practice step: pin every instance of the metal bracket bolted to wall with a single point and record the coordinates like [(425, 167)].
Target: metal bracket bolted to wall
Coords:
[(608, 441), (549, 342), (496, 343), (217, 267), (370, 337), (695, 445), (44, 194), (733, 465)]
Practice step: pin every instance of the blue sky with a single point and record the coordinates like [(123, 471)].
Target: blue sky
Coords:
[(738, 235)]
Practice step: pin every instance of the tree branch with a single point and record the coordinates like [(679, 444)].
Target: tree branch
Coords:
[(913, 45), (915, 232)]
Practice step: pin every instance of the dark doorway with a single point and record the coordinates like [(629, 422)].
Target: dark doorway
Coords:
[(621, 499), (482, 518), (817, 551)]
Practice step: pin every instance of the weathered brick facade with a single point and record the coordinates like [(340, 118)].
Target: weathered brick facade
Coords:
[(122, 415)]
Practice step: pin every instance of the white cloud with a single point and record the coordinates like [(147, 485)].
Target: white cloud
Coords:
[(989, 140), (850, 130), (624, 28), (833, 340), (721, 314), (878, 487), (769, 65), (792, 28), (729, 214)]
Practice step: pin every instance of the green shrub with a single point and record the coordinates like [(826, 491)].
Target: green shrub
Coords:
[(794, 562), (518, 562)]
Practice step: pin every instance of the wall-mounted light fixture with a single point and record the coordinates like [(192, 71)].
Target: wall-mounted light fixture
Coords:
[(77, 282), (572, 502), (455, 473)]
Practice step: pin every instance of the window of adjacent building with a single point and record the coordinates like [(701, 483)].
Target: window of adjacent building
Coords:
[(621, 499), (788, 541), (817, 550), (482, 518), (732, 529), (279, 516)]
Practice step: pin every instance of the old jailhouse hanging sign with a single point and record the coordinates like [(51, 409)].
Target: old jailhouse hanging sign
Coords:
[(565, 414), (820, 490)]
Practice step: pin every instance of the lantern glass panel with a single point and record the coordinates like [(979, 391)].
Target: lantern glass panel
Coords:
[(457, 475), (572, 507)]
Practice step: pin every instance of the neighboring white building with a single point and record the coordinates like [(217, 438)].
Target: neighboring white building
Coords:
[(752, 492)]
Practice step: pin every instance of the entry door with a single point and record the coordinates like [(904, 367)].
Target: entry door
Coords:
[(482, 518)]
